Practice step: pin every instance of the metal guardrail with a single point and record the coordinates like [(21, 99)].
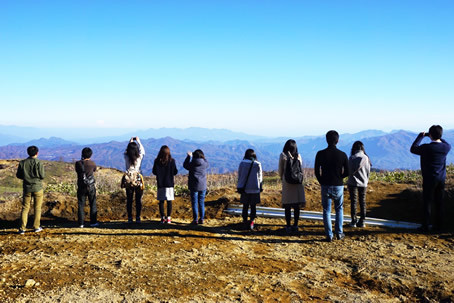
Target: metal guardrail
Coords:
[(270, 212)]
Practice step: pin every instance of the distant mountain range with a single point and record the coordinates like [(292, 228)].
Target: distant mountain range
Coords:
[(387, 150), (17, 134)]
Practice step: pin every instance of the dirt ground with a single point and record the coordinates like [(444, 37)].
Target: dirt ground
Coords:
[(221, 261)]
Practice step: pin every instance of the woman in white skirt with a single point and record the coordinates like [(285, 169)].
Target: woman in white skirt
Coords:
[(165, 169)]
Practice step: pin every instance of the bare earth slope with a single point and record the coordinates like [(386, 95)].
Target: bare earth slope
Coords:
[(219, 261)]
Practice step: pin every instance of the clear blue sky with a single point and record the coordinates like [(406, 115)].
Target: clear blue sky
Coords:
[(262, 67)]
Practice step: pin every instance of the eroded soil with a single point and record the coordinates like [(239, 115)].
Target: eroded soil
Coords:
[(222, 261)]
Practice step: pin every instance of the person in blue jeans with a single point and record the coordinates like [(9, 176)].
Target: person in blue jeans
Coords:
[(331, 167), (197, 183)]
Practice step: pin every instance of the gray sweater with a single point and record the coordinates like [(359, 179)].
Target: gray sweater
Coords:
[(255, 177), (359, 168)]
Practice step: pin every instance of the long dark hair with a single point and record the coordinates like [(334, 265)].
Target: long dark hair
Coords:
[(359, 146), (290, 146), (356, 147), (198, 153), (133, 153), (250, 155), (164, 156)]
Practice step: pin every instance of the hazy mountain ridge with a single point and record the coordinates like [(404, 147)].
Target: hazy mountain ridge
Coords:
[(18, 134), (389, 151), (47, 142)]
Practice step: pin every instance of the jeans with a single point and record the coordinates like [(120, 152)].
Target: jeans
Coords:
[(355, 193), (130, 197), (333, 194), (82, 193), (433, 194), (26, 201), (198, 204)]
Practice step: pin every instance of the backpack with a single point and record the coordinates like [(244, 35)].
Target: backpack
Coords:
[(293, 171), (132, 179), (89, 181)]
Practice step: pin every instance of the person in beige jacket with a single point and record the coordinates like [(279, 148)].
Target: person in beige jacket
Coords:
[(292, 194)]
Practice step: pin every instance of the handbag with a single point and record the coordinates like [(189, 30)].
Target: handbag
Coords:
[(241, 190)]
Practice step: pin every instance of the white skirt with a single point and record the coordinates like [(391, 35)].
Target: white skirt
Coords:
[(166, 193)]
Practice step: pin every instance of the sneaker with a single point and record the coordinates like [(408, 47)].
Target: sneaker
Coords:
[(169, 220), (138, 220), (39, 229), (353, 224), (81, 226), (361, 224), (94, 224), (328, 239), (200, 221), (340, 236), (130, 221), (194, 222), (21, 232), (251, 226), (288, 229), (163, 220), (294, 228)]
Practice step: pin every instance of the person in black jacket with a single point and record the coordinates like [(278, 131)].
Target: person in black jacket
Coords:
[(165, 169), (331, 166), (433, 169), (85, 169), (197, 183)]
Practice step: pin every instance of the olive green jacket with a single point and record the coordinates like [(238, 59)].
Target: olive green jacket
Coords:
[(31, 171)]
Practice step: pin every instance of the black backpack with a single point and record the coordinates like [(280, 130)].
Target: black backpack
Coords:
[(89, 181), (293, 171)]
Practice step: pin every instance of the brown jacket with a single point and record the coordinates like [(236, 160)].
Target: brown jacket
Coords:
[(291, 193)]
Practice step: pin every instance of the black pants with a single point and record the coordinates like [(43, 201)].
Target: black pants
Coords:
[(161, 208), (249, 200), (433, 195), (357, 193), (130, 197), (82, 193), (288, 213)]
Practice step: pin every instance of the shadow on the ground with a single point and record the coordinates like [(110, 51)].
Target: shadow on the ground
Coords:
[(407, 206), (404, 206), (309, 232)]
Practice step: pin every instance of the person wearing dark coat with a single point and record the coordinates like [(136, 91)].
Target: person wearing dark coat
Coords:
[(331, 167), (433, 170), (197, 183), (165, 169), (85, 169)]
